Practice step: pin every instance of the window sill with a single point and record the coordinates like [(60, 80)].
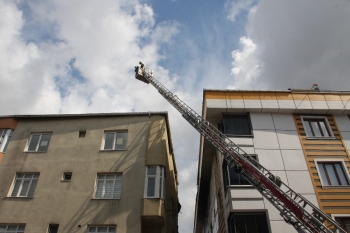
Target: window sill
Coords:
[(16, 198), (34, 152), (238, 136), (99, 199), (112, 150), (153, 198), (335, 187), (241, 186), (65, 181), (320, 138)]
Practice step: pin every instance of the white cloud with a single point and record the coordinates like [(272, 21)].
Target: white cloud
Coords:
[(299, 43), (234, 8), (246, 65)]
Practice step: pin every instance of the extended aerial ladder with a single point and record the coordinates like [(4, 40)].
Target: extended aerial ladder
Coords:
[(293, 207)]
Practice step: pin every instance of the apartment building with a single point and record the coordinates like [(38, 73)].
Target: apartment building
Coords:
[(302, 136), (88, 173)]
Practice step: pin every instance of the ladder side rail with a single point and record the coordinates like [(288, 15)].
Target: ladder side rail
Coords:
[(261, 174)]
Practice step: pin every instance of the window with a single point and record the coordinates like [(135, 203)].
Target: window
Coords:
[(248, 222), (332, 173), (82, 134), (53, 228), (233, 178), (115, 140), (5, 135), (103, 229), (25, 185), (317, 127), (108, 186), (12, 228), (154, 181), (67, 176), (237, 125), (344, 223), (39, 142)]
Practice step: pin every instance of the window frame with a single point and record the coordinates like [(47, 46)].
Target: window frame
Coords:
[(114, 140), (17, 231), (319, 119), (250, 213), (159, 182), (38, 143), (334, 216), (22, 179), (116, 175), (97, 226), (343, 167), (228, 179), (249, 124), (5, 136)]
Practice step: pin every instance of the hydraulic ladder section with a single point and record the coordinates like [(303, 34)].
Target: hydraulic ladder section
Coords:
[(293, 207)]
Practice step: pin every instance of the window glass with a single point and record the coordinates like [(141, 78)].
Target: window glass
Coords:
[(332, 173), (103, 229), (39, 142), (154, 182), (44, 142), (344, 222), (235, 178), (317, 127), (120, 142), (248, 223), (115, 140), (238, 125), (108, 186), (109, 138), (24, 185), (33, 143), (151, 187)]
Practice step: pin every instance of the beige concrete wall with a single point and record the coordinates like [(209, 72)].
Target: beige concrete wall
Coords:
[(71, 204)]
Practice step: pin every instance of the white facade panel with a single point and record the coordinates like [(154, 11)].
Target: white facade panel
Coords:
[(346, 138), (252, 105), (244, 193), (319, 105), (286, 106), (300, 182), (270, 159), (274, 214), (288, 139), (265, 139), (282, 175), (269, 105), (240, 204), (303, 104), (281, 227), (343, 122), (283, 121), (335, 105), (294, 160), (248, 149), (232, 103), (212, 103), (242, 141), (261, 121), (312, 198)]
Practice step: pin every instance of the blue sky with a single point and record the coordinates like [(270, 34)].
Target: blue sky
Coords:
[(63, 56)]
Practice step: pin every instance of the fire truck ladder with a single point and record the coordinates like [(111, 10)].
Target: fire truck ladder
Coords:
[(293, 207)]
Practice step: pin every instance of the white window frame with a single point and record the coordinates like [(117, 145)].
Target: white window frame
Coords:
[(39, 141), (114, 139), (108, 229), (333, 161), (34, 176), (20, 228), (327, 125), (5, 135), (159, 182), (117, 180), (340, 216)]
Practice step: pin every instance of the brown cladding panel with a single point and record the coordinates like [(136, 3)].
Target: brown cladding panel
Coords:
[(8, 123), (331, 200)]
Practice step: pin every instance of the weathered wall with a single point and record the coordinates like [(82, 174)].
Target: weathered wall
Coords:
[(70, 204)]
